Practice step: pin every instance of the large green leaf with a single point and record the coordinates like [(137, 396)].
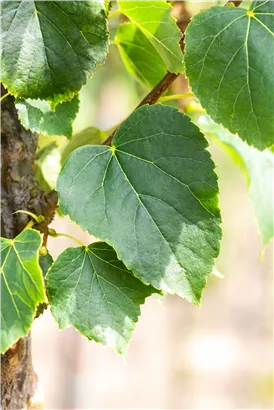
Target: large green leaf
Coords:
[(90, 289), (139, 56), (50, 48), (230, 63), (259, 168), (153, 18), (22, 288), (152, 195), (38, 116)]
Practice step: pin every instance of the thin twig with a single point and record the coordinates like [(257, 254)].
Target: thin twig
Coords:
[(151, 98), (175, 97), (163, 85), (114, 13), (4, 96)]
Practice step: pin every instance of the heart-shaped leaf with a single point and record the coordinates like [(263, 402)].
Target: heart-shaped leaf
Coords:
[(50, 48), (90, 289), (153, 196), (22, 287), (229, 61)]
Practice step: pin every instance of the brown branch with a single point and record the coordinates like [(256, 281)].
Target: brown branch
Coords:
[(151, 98)]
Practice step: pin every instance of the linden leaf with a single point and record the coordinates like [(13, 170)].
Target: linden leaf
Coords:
[(229, 59), (153, 196)]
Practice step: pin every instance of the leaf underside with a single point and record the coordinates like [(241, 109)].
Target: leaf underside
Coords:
[(50, 48), (229, 58), (259, 167), (153, 196), (139, 56), (22, 287), (153, 18), (38, 116), (90, 289)]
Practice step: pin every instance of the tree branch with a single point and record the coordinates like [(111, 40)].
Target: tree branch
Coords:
[(151, 98)]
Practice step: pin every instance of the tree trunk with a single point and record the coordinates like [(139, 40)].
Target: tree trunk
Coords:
[(18, 379), (19, 190)]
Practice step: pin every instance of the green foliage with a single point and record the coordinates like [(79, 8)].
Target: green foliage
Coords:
[(153, 18), (38, 116), (259, 168), (152, 196), (48, 165), (22, 286), (229, 62), (139, 55), (92, 290), (50, 48), (45, 262)]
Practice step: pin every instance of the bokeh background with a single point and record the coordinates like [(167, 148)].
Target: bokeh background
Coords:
[(219, 356)]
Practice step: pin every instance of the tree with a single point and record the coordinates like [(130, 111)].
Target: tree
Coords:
[(148, 191)]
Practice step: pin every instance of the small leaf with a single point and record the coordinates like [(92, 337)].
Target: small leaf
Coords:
[(139, 56), (229, 61), (22, 288), (50, 48), (38, 116), (259, 167), (89, 136), (45, 263), (153, 18), (153, 196), (90, 289)]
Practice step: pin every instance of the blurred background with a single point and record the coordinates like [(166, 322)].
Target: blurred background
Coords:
[(219, 356)]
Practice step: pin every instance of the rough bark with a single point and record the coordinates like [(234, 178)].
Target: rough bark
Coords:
[(19, 190), (18, 379)]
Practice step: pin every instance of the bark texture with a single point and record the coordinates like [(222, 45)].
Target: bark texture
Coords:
[(19, 190), (18, 379)]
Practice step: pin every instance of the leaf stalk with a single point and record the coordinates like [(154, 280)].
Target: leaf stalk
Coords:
[(55, 234)]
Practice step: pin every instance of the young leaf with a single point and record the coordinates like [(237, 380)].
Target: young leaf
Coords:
[(139, 55), (230, 62), (38, 116), (153, 18), (259, 167), (90, 289), (22, 288), (50, 48), (45, 262), (153, 196)]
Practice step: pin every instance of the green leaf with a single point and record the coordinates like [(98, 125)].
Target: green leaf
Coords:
[(50, 48), (22, 286), (153, 196), (229, 61), (45, 262), (139, 56), (47, 168), (259, 168), (90, 289), (153, 18), (89, 136), (38, 116)]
